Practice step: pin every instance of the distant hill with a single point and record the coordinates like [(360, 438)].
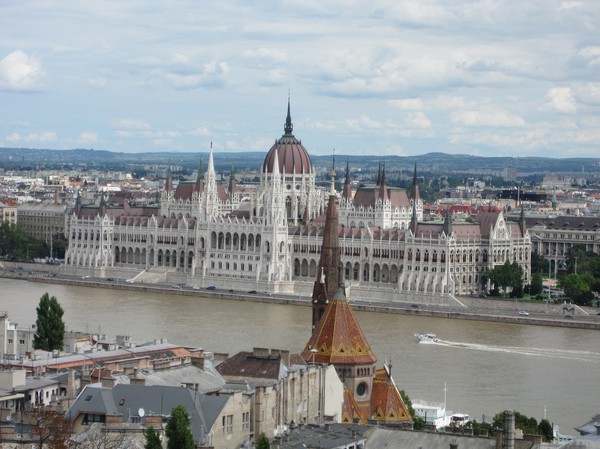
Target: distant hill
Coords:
[(23, 158)]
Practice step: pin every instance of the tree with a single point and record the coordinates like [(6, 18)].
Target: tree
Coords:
[(178, 430), (537, 284), (545, 429), (50, 428), (50, 327), (262, 442), (152, 438), (577, 287), (418, 422)]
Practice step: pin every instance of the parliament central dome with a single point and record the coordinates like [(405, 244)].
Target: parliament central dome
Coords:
[(292, 156)]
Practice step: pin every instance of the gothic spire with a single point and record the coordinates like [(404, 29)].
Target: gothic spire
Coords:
[(414, 191), (328, 272), (288, 128), (448, 222), (522, 223), (347, 192)]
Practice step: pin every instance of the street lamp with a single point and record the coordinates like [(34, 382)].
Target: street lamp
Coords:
[(576, 264)]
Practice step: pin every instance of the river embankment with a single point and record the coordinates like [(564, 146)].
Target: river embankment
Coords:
[(479, 309)]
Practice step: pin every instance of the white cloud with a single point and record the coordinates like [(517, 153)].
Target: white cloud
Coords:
[(34, 137), (591, 53), (410, 104), (418, 120), (87, 137), (272, 54), (132, 124), (570, 5), (20, 72), (561, 99), (97, 83), (199, 131), (484, 118)]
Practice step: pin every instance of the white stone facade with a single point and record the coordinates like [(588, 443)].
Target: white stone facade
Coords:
[(205, 234)]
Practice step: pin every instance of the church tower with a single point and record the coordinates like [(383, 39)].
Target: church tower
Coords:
[(328, 271)]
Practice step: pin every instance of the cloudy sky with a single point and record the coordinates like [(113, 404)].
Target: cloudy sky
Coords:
[(388, 77)]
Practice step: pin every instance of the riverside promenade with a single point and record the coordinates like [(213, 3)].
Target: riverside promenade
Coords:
[(480, 309)]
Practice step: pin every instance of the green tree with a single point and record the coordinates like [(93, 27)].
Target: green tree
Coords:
[(262, 442), (50, 327), (528, 425), (577, 287), (152, 438), (179, 435), (537, 285), (545, 430), (418, 422)]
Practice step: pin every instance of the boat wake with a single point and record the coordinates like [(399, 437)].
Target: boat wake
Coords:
[(565, 354)]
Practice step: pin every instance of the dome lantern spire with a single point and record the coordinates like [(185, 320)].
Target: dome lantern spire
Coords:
[(288, 128)]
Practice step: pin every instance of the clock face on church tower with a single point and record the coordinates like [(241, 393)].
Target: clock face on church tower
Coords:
[(361, 389)]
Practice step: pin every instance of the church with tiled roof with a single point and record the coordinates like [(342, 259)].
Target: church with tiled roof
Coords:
[(370, 394)]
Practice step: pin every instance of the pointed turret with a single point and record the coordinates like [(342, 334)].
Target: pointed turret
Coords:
[(328, 270), (232, 187), (102, 209), (347, 192), (210, 187), (169, 182), (414, 190), (288, 128), (199, 186), (383, 190), (522, 223), (379, 174), (448, 223)]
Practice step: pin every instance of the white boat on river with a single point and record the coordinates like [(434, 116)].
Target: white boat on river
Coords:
[(427, 338)]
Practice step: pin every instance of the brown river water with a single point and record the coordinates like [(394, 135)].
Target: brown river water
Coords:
[(487, 367)]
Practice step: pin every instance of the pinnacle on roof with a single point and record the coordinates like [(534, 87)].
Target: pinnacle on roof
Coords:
[(347, 192), (288, 128), (329, 262), (383, 192), (414, 191), (448, 222)]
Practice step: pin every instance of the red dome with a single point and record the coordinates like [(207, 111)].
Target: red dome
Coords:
[(293, 157)]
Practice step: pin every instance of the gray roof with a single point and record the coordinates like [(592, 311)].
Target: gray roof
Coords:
[(382, 438), (321, 437), (128, 399), (207, 379)]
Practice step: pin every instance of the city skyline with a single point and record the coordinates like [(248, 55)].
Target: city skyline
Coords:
[(391, 78)]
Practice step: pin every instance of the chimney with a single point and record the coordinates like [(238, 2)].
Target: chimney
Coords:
[(261, 352), (509, 430), (499, 437)]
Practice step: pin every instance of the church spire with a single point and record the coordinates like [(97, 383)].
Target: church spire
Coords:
[(328, 273), (288, 128)]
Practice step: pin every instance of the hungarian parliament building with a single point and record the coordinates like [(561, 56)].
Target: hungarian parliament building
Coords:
[(205, 233)]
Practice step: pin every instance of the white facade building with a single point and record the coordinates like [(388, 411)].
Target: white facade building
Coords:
[(207, 234)]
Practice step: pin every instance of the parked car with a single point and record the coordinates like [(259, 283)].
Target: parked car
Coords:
[(211, 287), (524, 313)]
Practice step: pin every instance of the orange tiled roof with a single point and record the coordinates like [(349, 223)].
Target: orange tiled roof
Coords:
[(338, 338), (351, 412), (386, 402)]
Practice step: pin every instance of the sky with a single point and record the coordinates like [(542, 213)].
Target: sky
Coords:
[(381, 77)]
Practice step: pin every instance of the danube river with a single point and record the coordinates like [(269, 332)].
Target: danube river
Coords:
[(487, 367)]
